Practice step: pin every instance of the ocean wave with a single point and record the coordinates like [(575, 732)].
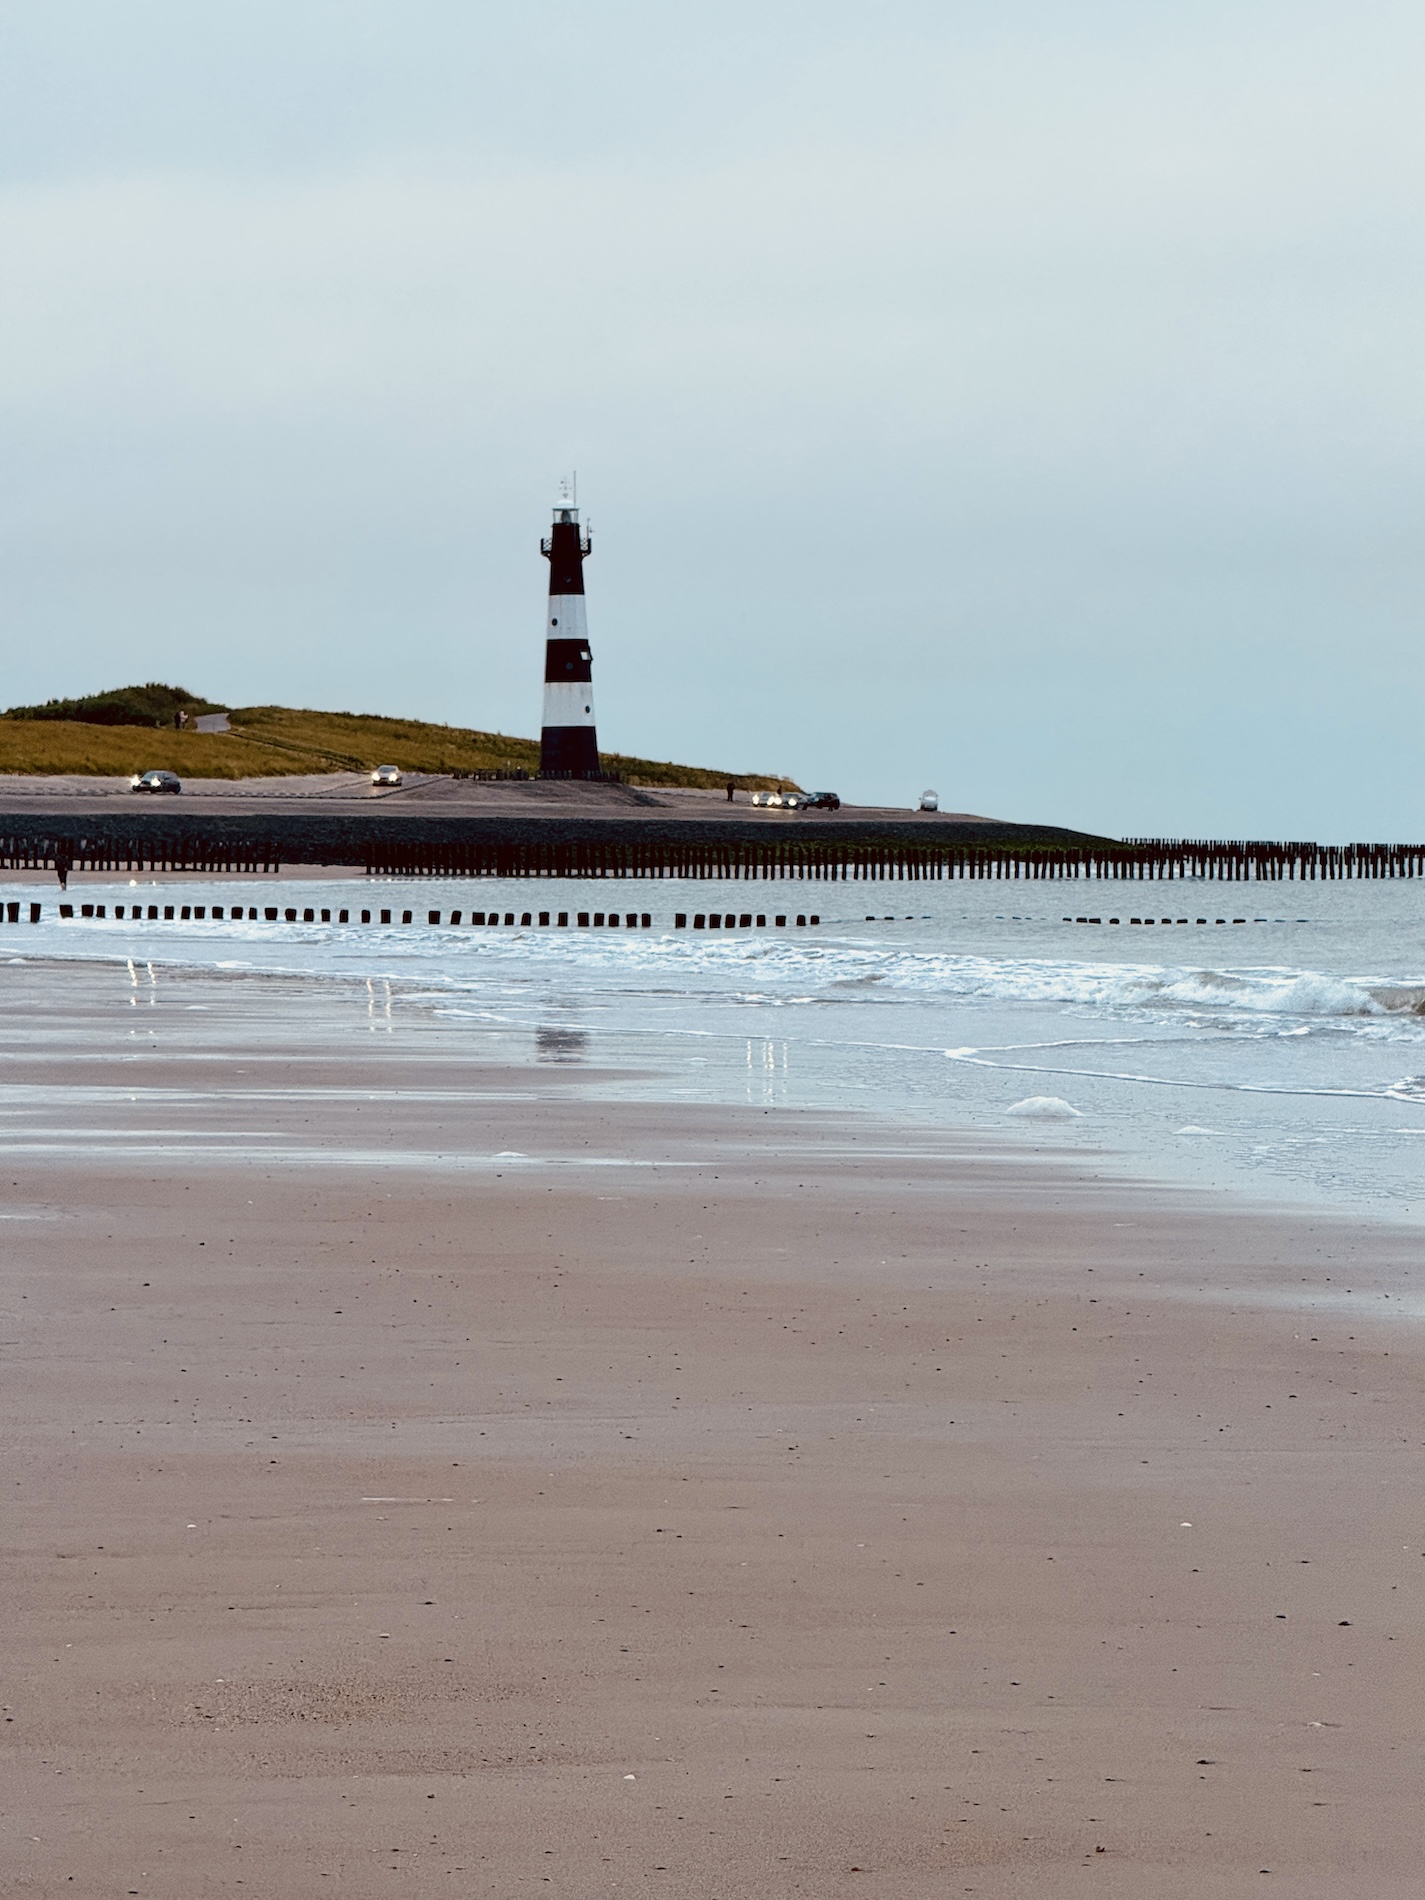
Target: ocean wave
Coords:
[(1272, 992), (840, 975), (1212, 993), (1408, 998), (829, 970)]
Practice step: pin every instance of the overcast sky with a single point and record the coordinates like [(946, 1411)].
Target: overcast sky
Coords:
[(1018, 399)]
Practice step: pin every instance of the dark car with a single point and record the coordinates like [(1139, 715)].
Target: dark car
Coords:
[(156, 782), (821, 801)]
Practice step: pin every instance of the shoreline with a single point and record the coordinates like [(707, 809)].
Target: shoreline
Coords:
[(681, 1515), (658, 1064)]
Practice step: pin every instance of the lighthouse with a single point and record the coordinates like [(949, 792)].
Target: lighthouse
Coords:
[(568, 747)]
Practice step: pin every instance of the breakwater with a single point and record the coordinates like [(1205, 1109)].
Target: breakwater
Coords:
[(859, 858), (837, 848), (454, 919)]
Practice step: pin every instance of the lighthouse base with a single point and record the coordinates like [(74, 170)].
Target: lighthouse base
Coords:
[(568, 752)]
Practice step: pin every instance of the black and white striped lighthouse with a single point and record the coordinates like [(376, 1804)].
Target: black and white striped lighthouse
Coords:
[(568, 747)]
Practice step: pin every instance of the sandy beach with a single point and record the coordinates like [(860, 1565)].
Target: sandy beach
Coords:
[(426, 1478)]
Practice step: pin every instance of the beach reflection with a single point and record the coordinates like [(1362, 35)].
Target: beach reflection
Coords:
[(766, 1071), (553, 1044), (378, 1007)]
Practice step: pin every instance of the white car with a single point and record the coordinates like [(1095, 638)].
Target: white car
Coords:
[(386, 775)]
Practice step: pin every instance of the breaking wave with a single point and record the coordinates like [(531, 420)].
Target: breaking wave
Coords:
[(1200, 993), (835, 971)]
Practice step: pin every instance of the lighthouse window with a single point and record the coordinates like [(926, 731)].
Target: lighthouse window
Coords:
[(554, 623), (583, 653)]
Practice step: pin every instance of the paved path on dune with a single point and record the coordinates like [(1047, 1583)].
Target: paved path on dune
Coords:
[(353, 793)]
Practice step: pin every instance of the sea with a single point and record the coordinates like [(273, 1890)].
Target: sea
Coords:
[(1266, 1039)]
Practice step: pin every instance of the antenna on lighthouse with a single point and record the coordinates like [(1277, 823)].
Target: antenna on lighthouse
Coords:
[(568, 746)]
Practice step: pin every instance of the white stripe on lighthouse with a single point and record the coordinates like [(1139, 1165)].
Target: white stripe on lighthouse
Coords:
[(568, 619), (568, 703)]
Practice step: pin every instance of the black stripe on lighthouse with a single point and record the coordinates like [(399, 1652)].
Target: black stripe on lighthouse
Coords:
[(568, 744)]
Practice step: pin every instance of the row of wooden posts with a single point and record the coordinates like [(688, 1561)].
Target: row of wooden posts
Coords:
[(838, 859), (63, 855), (834, 861), (475, 919)]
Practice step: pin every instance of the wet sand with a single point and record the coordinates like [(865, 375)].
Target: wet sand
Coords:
[(689, 1503)]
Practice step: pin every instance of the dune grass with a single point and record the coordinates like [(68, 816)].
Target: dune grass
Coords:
[(282, 741), (152, 705), (51, 747)]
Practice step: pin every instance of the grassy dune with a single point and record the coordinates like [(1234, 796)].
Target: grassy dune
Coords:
[(35, 746), (277, 741)]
